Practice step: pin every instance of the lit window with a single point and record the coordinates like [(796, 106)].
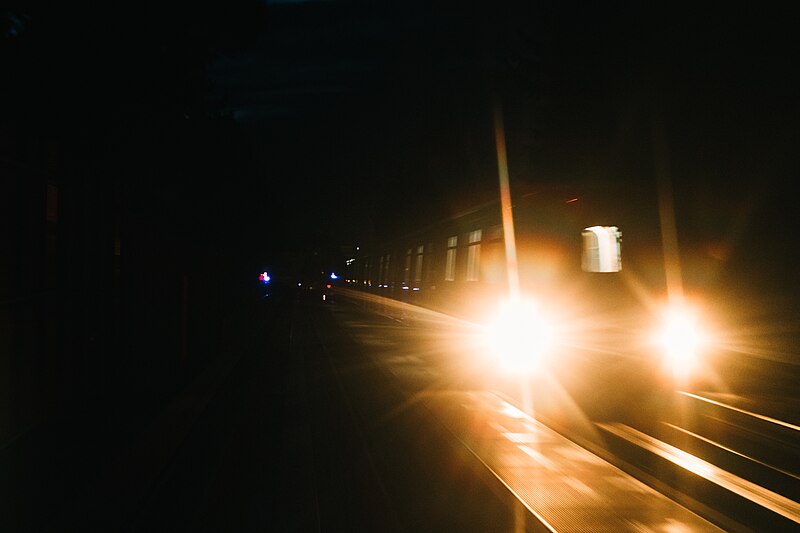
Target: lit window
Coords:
[(418, 267), (473, 255), (450, 264), (601, 249), (407, 269)]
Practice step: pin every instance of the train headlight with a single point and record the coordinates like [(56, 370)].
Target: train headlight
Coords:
[(681, 339), (519, 337)]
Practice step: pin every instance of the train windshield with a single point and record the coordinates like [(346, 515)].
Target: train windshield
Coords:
[(601, 250)]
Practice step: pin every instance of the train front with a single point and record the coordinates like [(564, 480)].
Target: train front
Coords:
[(602, 316)]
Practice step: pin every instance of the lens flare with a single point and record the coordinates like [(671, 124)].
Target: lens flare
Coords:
[(681, 339), (519, 337)]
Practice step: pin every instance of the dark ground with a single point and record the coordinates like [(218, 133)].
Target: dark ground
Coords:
[(271, 438)]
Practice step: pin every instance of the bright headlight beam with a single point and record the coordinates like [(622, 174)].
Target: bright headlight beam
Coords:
[(681, 339), (519, 337)]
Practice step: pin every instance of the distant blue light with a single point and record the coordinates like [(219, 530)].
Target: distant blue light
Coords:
[(334, 276)]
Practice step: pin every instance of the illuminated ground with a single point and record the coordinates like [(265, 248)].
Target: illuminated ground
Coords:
[(325, 418)]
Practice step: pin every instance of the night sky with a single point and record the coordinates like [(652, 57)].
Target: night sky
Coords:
[(272, 124)]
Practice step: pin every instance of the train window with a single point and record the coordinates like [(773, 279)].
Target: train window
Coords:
[(601, 250), (385, 274), (493, 233), (473, 255), (418, 266), (407, 269), (450, 264), (428, 271)]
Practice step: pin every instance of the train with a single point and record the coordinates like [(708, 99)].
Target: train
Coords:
[(642, 285)]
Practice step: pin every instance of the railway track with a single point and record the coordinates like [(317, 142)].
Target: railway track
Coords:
[(718, 458), (732, 459)]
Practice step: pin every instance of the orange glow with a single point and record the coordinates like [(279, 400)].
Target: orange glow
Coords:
[(505, 204)]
